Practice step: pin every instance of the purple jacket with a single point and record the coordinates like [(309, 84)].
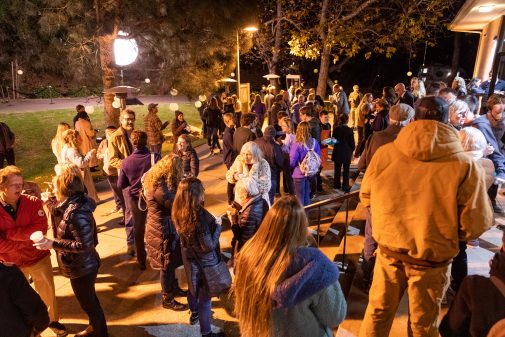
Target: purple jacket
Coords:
[(297, 153), (132, 169)]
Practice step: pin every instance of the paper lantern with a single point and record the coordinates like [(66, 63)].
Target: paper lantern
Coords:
[(173, 106), (198, 104), (409, 73), (116, 105), (202, 98), (89, 109), (147, 80), (125, 49), (174, 92)]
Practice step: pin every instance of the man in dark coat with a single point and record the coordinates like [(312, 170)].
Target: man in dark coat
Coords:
[(404, 96), (244, 134), (272, 152), (276, 107), (7, 139)]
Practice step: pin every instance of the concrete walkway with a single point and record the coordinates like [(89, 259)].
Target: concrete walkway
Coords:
[(44, 104), (131, 298)]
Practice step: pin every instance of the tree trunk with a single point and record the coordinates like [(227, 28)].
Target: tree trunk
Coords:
[(323, 71), (455, 58), (111, 114), (277, 39), (105, 42), (325, 54)]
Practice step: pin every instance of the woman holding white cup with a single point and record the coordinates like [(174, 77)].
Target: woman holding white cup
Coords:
[(74, 243)]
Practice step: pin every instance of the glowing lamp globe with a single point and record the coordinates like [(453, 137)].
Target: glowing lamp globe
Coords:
[(147, 80), (202, 98), (198, 104), (20, 72), (89, 109), (409, 73), (125, 49), (173, 106), (116, 105), (174, 92)]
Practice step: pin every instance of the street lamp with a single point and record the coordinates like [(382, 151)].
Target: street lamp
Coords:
[(250, 29), (125, 51)]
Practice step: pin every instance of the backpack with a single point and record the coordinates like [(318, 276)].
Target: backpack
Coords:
[(312, 162)]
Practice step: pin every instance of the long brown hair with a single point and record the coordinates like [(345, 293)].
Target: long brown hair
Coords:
[(169, 168), (187, 204), (262, 263), (302, 135)]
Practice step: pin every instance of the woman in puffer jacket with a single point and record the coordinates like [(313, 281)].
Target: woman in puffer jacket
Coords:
[(295, 288), (162, 242), (74, 243), (199, 231), (251, 164), (246, 218)]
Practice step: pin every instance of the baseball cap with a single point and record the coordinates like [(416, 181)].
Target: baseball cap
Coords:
[(401, 112), (152, 105)]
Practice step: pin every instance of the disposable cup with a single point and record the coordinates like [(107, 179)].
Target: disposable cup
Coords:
[(37, 237)]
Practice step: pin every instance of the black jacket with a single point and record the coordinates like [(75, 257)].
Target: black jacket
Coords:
[(229, 153), (272, 152), (213, 117), (241, 136), (342, 151), (21, 309), (249, 220), (190, 163), (204, 242), (315, 129), (161, 238), (76, 236)]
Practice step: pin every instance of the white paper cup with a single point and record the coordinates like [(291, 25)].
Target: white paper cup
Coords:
[(37, 237)]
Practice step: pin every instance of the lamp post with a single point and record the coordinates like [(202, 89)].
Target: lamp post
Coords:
[(247, 29)]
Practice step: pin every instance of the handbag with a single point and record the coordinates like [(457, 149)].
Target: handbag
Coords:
[(217, 278)]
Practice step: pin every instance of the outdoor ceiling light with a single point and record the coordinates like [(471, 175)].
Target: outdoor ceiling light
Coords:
[(486, 8), (125, 49)]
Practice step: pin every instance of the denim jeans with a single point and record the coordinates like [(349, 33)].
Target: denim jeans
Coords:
[(116, 192), (212, 138), (84, 290), (201, 304), (271, 194), (128, 219), (302, 190), (139, 226)]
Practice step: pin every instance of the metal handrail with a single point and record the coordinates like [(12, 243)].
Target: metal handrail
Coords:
[(338, 199)]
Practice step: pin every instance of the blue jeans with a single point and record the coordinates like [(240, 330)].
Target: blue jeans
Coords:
[(271, 194), (302, 190), (116, 192), (201, 304), (129, 225)]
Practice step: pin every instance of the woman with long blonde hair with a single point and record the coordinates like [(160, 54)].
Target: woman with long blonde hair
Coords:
[(199, 232), (303, 143), (283, 288), (71, 154), (57, 142), (162, 242)]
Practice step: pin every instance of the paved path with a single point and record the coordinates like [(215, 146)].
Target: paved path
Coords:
[(30, 105), (132, 299)]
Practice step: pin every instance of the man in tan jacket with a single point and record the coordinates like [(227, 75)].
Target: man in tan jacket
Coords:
[(118, 148), (425, 196)]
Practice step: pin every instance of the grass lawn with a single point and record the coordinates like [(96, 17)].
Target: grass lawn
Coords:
[(34, 131)]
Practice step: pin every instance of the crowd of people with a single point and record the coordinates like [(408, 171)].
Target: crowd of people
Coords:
[(432, 168)]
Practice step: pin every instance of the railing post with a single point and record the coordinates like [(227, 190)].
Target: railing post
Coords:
[(318, 224)]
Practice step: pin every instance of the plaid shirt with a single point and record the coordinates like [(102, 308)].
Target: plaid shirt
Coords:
[(152, 126)]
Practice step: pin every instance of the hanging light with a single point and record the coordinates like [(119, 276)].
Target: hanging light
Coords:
[(147, 80), (125, 49)]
